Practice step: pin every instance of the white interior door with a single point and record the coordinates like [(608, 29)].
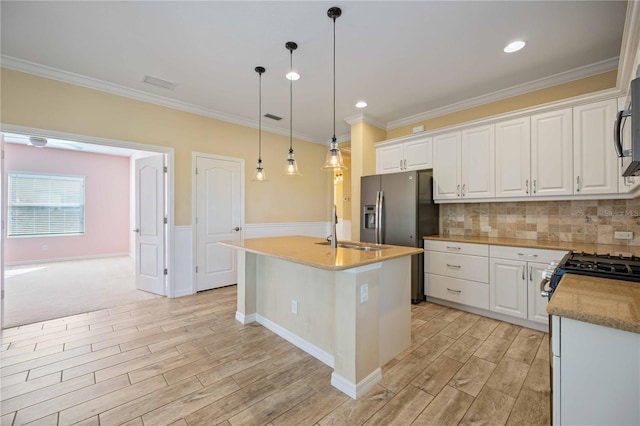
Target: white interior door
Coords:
[(149, 224), (3, 203), (219, 217)]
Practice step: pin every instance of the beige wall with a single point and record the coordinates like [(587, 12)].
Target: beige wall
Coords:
[(32, 101), (567, 90), (363, 163)]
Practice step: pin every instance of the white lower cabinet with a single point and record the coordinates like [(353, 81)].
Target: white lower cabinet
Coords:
[(508, 287), (596, 372), (501, 279)]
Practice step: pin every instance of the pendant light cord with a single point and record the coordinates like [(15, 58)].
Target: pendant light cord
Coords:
[(260, 118), (334, 80), (291, 103)]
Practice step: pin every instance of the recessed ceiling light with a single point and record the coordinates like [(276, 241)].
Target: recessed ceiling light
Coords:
[(514, 46), (361, 104), (293, 76)]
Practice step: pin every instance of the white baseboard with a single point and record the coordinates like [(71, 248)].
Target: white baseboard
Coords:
[(311, 229), (245, 319), (308, 347), (354, 390), (66, 259), (495, 315)]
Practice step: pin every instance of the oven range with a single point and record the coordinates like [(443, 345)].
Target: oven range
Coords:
[(609, 266)]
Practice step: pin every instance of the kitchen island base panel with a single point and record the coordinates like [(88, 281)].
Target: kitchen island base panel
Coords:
[(332, 321)]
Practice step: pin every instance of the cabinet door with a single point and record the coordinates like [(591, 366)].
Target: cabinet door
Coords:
[(446, 166), (418, 155), (594, 165), (478, 169), (537, 305), (513, 170), (508, 287), (389, 159), (552, 153)]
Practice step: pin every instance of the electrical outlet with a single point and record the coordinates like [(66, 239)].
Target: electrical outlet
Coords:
[(45, 248), (294, 307), (364, 293), (620, 235), (485, 229)]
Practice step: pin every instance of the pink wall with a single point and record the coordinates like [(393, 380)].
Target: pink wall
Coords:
[(106, 203)]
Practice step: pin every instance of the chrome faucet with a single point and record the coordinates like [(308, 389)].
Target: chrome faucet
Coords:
[(333, 238)]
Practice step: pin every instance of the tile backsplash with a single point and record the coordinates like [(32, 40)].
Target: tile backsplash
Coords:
[(576, 221)]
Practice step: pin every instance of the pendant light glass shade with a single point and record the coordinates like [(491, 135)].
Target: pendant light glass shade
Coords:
[(291, 167), (260, 175), (334, 156)]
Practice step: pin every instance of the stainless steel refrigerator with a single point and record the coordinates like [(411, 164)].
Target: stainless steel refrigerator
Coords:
[(398, 209)]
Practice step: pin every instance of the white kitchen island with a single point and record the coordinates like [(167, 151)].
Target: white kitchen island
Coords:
[(349, 308)]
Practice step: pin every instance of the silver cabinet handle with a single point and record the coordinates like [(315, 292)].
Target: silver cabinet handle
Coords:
[(405, 164), (454, 291), (578, 184), (526, 187), (136, 230), (454, 266), (535, 181), (464, 185), (523, 273), (453, 248), (237, 228), (458, 190), (528, 255), (530, 273), (400, 164)]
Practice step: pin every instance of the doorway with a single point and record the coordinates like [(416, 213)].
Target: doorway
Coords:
[(218, 206), (136, 254)]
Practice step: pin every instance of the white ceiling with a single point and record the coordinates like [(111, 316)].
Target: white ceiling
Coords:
[(403, 58)]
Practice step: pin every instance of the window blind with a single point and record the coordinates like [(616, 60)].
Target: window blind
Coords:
[(41, 204)]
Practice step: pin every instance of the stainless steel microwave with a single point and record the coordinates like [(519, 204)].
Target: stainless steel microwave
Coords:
[(627, 132)]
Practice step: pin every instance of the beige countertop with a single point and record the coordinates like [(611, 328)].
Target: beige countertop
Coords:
[(307, 251), (611, 303), (553, 245)]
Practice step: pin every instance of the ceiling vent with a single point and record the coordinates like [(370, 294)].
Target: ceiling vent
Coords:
[(273, 117), (158, 82)]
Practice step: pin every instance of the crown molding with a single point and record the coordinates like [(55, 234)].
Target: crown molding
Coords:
[(28, 67), (543, 83), (365, 118), (629, 52)]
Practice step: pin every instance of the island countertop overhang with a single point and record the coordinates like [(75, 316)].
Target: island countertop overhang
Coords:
[(311, 252)]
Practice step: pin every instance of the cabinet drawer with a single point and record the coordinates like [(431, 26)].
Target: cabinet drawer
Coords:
[(459, 248), (526, 254), (455, 290), (474, 268)]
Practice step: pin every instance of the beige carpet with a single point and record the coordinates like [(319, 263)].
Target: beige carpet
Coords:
[(44, 291)]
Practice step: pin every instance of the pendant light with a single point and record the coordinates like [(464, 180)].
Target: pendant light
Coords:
[(334, 156), (291, 168), (260, 175)]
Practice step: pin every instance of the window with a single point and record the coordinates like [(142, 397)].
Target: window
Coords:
[(42, 204)]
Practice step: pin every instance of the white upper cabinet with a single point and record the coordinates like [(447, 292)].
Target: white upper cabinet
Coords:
[(446, 173), (411, 153), (513, 166), (478, 168), (552, 153), (595, 164)]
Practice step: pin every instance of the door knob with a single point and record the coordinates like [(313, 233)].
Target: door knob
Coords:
[(136, 230), (237, 228)]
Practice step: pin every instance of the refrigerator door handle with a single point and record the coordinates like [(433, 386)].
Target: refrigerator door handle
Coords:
[(379, 217)]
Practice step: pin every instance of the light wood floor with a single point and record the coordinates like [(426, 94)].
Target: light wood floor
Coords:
[(186, 361)]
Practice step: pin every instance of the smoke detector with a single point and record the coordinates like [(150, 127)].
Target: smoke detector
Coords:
[(37, 141)]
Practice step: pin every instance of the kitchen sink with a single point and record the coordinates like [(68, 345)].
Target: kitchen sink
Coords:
[(353, 246)]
